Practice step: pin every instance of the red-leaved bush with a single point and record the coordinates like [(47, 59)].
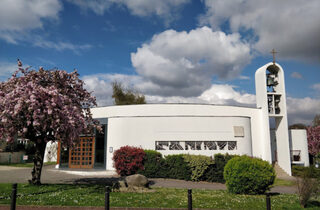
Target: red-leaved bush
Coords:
[(128, 160)]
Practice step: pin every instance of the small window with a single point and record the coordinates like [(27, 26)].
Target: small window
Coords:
[(238, 131)]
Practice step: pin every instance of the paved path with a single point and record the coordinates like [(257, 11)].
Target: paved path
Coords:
[(52, 175)]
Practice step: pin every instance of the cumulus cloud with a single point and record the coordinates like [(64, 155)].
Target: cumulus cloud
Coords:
[(316, 87), (165, 9), (19, 19), (19, 15), (302, 110), (296, 75), (60, 46), (184, 63), (290, 26), (6, 69)]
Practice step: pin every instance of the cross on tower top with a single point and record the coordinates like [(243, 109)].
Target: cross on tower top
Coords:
[(273, 52)]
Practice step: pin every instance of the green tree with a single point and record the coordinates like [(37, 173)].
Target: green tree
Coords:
[(316, 120), (124, 96), (298, 126)]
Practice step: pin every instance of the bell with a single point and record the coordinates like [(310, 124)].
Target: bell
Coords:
[(270, 81)]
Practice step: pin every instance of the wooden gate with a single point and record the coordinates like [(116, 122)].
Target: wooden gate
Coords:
[(82, 155)]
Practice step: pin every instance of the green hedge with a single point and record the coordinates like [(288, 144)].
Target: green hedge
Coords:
[(198, 165), (214, 172), (300, 170), (185, 167), (177, 167), (154, 165), (247, 175)]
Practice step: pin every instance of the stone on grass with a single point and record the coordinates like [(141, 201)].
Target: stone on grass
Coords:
[(137, 180)]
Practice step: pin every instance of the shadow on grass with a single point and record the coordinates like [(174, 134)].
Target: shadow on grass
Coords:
[(98, 181), (313, 203)]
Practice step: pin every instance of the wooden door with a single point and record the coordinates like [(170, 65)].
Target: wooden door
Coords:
[(82, 155)]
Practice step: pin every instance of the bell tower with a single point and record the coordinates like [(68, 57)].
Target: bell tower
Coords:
[(271, 98)]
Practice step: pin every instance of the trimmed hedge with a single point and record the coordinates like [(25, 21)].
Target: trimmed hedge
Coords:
[(177, 168), (154, 165), (185, 167), (299, 171), (128, 160), (214, 172), (198, 165), (247, 175)]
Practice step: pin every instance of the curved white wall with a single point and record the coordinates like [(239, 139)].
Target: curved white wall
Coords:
[(144, 125)]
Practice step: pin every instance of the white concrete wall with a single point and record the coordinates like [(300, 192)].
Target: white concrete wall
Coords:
[(51, 152), (281, 129), (142, 125), (298, 138)]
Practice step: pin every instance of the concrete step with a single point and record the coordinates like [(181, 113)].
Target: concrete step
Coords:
[(281, 174)]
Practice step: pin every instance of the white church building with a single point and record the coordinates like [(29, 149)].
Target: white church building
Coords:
[(199, 129)]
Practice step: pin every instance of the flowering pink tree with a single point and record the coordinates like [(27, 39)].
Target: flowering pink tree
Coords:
[(44, 105), (314, 140)]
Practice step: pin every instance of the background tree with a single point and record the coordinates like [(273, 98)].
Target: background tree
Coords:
[(316, 120), (44, 105), (298, 126), (124, 96), (313, 134)]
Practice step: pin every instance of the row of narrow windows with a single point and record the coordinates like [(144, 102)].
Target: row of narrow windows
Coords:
[(196, 145)]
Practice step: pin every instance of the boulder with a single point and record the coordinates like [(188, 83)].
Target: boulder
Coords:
[(137, 180)]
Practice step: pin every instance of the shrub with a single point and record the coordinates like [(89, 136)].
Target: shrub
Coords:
[(246, 175), (198, 165), (177, 168), (128, 160), (300, 171), (214, 172), (154, 165), (307, 186)]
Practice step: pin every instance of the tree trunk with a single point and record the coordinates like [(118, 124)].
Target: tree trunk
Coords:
[(38, 162)]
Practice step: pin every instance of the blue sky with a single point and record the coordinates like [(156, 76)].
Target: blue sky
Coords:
[(173, 51)]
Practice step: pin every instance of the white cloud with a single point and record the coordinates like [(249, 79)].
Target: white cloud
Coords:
[(17, 16), (19, 19), (296, 75), (290, 26), (183, 63), (316, 87), (60, 46), (302, 110), (165, 9), (226, 94), (6, 69)]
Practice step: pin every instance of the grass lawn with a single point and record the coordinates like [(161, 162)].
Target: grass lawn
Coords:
[(27, 165), (93, 195), (283, 182)]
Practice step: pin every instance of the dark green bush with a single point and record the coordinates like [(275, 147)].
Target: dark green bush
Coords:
[(198, 165), (214, 172), (299, 171), (177, 168), (154, 165), (247, 175)]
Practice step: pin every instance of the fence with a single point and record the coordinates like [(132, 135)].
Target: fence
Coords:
[(107, 198)]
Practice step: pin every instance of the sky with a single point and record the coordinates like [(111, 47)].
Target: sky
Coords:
[(172, 51)]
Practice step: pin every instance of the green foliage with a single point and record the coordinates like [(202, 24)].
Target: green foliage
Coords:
[(126, 97), (298, 126), (154, 165), (71, 195), (300, 171), (246, 175), (198, 165), (307, 186), (177, 168), (214, 172)]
